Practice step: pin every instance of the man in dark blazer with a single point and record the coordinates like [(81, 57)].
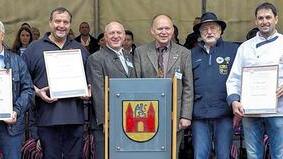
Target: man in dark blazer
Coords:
[(176, 62), (112, 62)]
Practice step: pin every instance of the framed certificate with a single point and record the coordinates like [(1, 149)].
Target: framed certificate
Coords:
[(65, 73), (259, 86), (6, 96)]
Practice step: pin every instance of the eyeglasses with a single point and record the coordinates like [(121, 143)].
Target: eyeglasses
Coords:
[(212, 28)]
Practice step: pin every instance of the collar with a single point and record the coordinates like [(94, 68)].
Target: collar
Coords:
[(218, 42), (2, 52), (268, 38), (46, 38), (157, 45), (87, 41), (118, 52)]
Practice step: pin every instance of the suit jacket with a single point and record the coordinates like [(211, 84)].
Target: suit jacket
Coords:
[(146, 66), (103, 63)]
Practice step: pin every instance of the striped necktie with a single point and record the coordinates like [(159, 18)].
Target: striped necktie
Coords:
[(160, 59), (123, 61)]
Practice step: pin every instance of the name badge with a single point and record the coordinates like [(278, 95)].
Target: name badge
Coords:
[(129, 64), (178, 75)]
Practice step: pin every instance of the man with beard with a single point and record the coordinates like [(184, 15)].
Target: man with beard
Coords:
[(212, 60), (60, 121)]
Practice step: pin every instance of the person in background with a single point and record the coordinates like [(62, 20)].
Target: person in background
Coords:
[(192, 38), (35, 33), (25, 24), (23, 38), (175, 35), (86, 39), (101, 40), (128, 44), (12, 130), (71, 34)]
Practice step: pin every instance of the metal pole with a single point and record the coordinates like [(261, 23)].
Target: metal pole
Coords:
[(106, 118), (96, 17), (174, 119), (203, 6)]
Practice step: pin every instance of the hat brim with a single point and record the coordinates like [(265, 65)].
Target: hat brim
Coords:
[(221, 23)]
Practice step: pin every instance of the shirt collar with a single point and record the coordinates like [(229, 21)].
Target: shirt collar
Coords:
[(270, 37), (116, 51), (2, 52), (157, 45)]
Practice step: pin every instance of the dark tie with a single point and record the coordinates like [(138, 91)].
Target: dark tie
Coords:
[(160, 60)]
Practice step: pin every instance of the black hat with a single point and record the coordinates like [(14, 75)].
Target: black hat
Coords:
[(209, 17)]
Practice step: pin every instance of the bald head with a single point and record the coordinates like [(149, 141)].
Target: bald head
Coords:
[(162, 29), (113, 24), (161, 16), (114, 35)]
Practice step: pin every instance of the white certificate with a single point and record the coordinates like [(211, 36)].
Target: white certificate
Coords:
[(6, 96), (259, 86), (65, 73)]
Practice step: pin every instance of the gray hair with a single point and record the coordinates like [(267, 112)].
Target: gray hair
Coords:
[(2, 28)]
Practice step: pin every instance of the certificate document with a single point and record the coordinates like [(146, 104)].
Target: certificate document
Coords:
[(65, 73), (6, 96), (259, 86)]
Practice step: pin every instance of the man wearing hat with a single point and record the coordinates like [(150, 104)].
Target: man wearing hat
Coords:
[(212, 59)]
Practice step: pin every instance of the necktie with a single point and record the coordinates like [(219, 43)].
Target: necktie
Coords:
[(160, 60), (2, 64), (123, 61)]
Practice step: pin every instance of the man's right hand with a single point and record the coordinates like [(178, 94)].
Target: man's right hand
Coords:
[(238, 109), (43, 94)]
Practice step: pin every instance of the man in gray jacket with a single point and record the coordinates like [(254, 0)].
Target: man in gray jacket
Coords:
[(109, 61), (163, 58)]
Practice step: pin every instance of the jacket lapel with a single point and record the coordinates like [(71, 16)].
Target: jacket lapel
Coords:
[(173, 57), (117, 62), (152, 55)]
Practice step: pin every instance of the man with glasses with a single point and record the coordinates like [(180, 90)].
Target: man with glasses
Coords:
[(212, 117)]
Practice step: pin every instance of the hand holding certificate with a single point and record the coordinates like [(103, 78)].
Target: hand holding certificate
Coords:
[(65, 73), (259, 86), (6, 100)]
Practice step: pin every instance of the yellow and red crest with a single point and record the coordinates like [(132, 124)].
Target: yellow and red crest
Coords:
[(140, 119)]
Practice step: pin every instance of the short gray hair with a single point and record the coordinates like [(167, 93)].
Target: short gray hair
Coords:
[(2, 28)]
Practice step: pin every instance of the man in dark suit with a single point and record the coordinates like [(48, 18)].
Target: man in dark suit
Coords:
[(165, 59), (112, 62), (86, 39)]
